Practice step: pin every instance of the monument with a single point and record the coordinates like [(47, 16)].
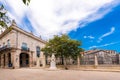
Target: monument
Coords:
[(53, 63)]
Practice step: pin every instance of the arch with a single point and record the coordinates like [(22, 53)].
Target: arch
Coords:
[(4, 60), (9, 60), (0, 60), (24, 60)]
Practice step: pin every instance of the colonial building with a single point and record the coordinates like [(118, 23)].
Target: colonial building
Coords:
[(19, 48), (103, 57)]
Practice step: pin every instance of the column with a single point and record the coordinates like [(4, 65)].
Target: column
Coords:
[(6, 60), (119, 58), (42, 56), (30, 59), (96, 61), (12, 59), (38, 62), (43, 61), (78, 61), (15, 58), (1, 60)]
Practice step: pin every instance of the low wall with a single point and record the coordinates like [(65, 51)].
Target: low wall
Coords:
[(88, 67)]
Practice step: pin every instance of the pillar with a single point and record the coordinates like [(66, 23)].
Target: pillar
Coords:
[(43, 60), (3, 60), (119, 58), (78, 61), (38, 62), (30, 59), (6, 60), (0, 60), (15, 58), (96, 61)]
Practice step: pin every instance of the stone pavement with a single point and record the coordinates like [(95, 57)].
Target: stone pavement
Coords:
[(101, 70), (43, 74)]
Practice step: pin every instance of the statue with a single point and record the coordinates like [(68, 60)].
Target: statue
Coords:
[(53, 63)]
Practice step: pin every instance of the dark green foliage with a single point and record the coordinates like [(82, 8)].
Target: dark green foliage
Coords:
[(4, 20), (26, 2)]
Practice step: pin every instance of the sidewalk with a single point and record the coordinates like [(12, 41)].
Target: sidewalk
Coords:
[(101, 70)]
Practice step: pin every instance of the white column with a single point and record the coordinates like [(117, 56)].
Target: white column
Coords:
[(96, 61)]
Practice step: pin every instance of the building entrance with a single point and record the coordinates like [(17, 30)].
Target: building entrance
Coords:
[(24, 60)]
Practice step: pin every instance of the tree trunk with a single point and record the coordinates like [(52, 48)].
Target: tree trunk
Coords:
[(62, 60), (65, 64)]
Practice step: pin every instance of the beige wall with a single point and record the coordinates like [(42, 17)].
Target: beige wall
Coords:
[(11, 36), (31, 42), (17, 37)]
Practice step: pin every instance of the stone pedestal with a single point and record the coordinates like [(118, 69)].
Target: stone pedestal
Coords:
[(53, 63)]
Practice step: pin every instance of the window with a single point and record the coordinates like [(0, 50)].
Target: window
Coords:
[(8, 43), (38, 51), (24, 46), (3, 44)]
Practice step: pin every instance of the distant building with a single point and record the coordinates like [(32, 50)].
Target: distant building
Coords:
[(19, 48), (103, 56)]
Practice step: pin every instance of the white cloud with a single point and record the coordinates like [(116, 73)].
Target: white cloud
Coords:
[(106, 34), (50, 17), (90, 37), (85, 37), (91, 47)]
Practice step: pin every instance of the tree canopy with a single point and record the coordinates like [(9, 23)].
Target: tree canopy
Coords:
[(63, 46), (26, 2), (4, 20)]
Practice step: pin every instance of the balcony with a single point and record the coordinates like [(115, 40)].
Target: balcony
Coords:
[(5, 47), (23, 48)]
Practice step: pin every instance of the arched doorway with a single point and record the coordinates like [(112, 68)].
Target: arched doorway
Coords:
[(4, 60), (24, 60), (9, 60), (0, 60)]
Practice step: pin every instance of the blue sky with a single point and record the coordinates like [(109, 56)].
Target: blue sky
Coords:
[(95, 23), (90, 33)]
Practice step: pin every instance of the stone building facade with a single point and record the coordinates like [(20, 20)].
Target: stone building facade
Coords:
[(103, 57), (19, 48)]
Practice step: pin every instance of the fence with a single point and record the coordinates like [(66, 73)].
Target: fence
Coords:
[(111, 60)]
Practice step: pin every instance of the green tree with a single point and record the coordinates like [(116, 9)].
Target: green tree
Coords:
[(63, 46), (4, 20), (26, 2)]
